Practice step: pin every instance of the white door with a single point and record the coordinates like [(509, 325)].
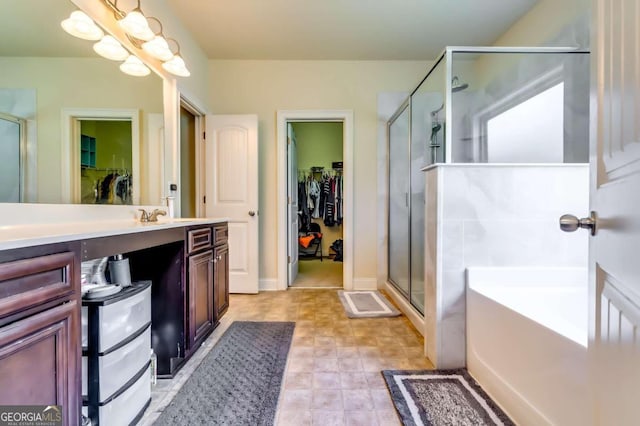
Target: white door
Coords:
[(292, 189), (232, 192), (614, 293)]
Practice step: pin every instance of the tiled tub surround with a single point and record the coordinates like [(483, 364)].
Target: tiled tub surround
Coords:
[(482, 215)]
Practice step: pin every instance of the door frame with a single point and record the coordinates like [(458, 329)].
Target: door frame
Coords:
[(70, 147), (346, 117), (199, 116)]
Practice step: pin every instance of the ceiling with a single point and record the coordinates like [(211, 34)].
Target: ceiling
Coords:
[(344, 29), (287, 29)]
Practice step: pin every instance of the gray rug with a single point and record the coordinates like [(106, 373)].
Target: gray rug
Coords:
[(238, 382), (366, 304), (442, 397)]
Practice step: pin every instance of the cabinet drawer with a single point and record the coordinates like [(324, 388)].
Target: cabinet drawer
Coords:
[(30, 282), (221, 234), (199, 239)]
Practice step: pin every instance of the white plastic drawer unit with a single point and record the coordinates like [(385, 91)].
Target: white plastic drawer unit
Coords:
[(119, 320), (116, 368), (127, 407)]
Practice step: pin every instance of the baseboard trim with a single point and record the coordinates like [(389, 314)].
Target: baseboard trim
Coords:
[(270, 284), (365, 284)]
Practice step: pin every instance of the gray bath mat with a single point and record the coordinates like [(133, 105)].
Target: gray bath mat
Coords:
[(442, 397), (366, 304), (238, 382)]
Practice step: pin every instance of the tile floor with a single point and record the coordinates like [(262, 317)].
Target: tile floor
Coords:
[(313, 273), (333, 370)]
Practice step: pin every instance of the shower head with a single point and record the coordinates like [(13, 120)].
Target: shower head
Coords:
[(456, 86)]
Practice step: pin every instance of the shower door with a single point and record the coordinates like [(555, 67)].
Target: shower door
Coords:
[(399, 191), (11, 148)]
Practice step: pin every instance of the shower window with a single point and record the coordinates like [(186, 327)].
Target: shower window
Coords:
[(530, 132)]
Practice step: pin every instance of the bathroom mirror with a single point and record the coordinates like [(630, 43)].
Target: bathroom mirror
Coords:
[(70, 100)]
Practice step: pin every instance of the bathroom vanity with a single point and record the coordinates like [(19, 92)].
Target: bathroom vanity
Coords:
[(40, 297)]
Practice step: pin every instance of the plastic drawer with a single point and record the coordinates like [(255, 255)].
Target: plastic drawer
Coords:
[(123, 409), (119, 320), (118, 367)]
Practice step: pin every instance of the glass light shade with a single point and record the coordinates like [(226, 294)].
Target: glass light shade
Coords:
[(78, 24), (176, 66), (134, 66), (110, 48), (158, 48), (136, 25)]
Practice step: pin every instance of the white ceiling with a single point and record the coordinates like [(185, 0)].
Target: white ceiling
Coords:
[(344, 29), (287, 29)]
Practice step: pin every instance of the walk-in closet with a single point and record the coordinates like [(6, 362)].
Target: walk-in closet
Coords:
[(316, 204)]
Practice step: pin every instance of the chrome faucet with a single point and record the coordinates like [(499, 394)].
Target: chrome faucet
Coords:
[(151, 216)]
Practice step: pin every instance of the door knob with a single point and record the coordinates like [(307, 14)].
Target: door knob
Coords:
[(252, 213), (570, 223)]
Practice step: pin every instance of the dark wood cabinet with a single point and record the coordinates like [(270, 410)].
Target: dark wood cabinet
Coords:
[(40, 328), (221, 280), (38, 360), (201, 313)]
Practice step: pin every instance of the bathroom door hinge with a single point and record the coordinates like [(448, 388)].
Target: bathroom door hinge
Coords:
[(288, 259), (204, 135), (288, 141), (204, 200)]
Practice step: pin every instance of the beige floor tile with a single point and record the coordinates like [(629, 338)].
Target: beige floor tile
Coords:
[(361, 418), (326, 381), (321, 365), (327, 418), (330, 400), (354, 380), (302, 352), (300, 365), (298, 381), (388, 418), (347, 352), (357, 399), (381, 399), (295, 418), (296, 400), (350, 364), (324, 352)]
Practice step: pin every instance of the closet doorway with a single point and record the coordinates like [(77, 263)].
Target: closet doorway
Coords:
[(316, 203)]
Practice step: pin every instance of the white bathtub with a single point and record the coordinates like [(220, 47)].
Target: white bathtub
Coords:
[(526, 341)]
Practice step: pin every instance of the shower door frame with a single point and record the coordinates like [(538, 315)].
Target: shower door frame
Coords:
[(22, 142)]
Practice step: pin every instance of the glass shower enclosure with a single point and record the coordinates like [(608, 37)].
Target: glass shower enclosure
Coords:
[(479, 105)]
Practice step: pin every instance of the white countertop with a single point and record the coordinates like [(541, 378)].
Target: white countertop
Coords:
[(21, 235)]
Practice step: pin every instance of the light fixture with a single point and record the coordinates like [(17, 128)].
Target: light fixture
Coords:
[(139, 34), (176, 65), (134, 66), (78, 24), (110, 48), (158, 46), (136, 24)]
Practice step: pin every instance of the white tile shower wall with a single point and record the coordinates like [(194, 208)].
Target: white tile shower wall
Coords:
[(493, 215)]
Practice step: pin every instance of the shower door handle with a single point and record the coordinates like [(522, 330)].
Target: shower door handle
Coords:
[(570, 223)]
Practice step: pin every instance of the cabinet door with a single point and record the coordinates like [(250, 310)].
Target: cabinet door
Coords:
[(221, 280), (201, 314), (39, 361)]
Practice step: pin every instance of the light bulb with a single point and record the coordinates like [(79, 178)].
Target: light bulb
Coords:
[(134, 66), (158, 48), (176, 66), (78, 24), (136, 25), (110, 48)]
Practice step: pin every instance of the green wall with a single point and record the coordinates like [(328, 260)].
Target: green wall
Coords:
[(318, 144)]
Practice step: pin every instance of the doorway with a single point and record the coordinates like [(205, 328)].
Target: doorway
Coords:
[(316, 203), (187, 163)]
